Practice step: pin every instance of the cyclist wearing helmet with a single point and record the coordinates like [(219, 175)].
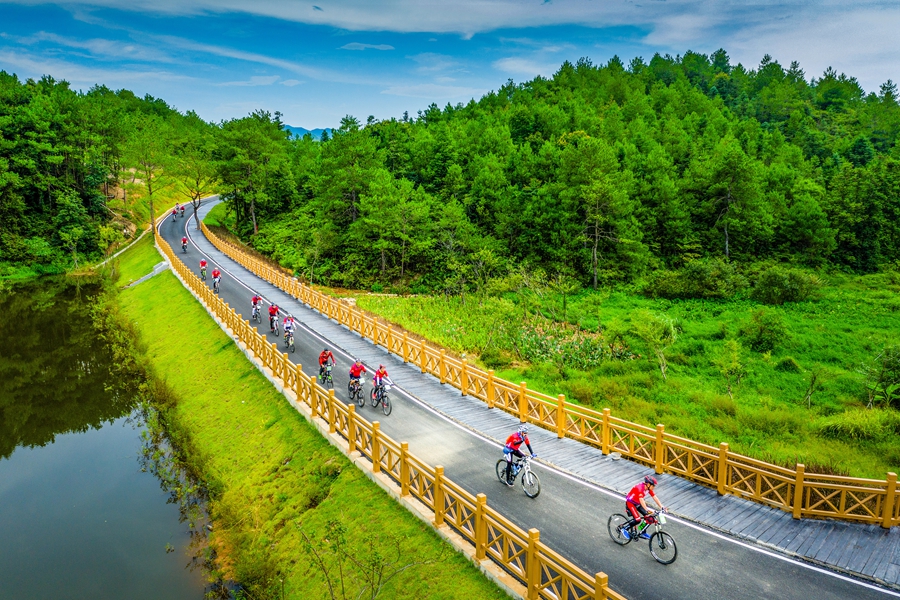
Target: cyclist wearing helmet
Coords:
[(636, 505), (512, 449), (324, 357)]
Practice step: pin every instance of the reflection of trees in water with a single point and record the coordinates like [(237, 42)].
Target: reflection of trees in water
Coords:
[(55, 370)]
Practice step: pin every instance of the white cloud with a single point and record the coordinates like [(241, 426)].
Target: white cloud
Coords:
[(358, 46), (290, 82), (525, 67), (254, 81), (431, 62), (99, 48)]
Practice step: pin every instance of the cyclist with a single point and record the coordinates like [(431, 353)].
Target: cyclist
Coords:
[(288, 324), (273, 315), (254, 303), (182, 211), (203, 268), (356, 370), (324, 357), (217, 276), (174, 213), (519, 437), (184, 242), (636, 505), (378, 379)]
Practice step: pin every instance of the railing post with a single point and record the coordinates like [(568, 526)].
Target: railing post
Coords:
[(438, 496), (480, 527), (464, 376), (660, 449), (405, 346), (490, 389), (890, 498), (404, 469), (331, 427), (298, 386), (798, 490), (313, 405), (532, 568), (604, 435), (376, 448), (723, 469), (561, 416), (601, 586), (442, 366), (523, 403), (423, 358), (351, 427)]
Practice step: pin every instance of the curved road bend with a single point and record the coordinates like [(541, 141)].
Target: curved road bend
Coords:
[(570, 513)]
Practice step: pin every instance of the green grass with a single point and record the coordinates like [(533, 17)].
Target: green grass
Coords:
[(854, 319), (136, 262), (217, 216), (272, 472)]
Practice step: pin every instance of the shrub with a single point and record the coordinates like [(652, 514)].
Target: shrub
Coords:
[(704, 278), (860, 424), (778, 285), (724, 405), (764, 330), (788, 365), (492, 358)]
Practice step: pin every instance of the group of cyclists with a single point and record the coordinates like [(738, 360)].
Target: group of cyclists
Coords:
[(178, 209)]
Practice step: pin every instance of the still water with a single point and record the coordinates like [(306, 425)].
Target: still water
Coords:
[(78, 516)]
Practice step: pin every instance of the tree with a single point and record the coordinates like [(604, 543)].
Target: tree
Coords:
[(71, 222), (730, 367), (658, 332), (147, 152), (193, 167)]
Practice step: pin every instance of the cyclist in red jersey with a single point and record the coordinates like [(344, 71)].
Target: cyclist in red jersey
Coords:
[(255, 300), (636, 504), (273, 312), (216, 273), (512, 449), (203, 268), (380, 375), (202, 263), (174, 213), (324, 357), (356, 370)]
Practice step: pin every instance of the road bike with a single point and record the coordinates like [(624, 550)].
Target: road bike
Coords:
[(182, 212), (184, 247), (355, 389), (203, 273), (273, 324), (289, 340), (662, 545), (216, 285), (380, 397), (325, 376), (531, 484), (254, 314)]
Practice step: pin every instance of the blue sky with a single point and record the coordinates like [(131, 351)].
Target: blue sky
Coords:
[(318, 61)]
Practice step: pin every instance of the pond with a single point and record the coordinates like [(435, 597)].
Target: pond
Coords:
[(82, 515)]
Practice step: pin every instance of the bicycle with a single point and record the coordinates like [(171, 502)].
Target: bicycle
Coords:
[(662, 545), (380, 396), (289, 340), (182, 212), (355, 389), (273, 325), (202, 273), (254, 314), (216, 285), (325, 377), (184, 247), (531, 484)]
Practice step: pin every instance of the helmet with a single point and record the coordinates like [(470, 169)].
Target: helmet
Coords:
[(523, 429), (650, 480), (380, 366), (325, 350)]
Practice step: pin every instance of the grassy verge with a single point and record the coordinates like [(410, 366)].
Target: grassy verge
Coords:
[(768, 417), (273, 477)]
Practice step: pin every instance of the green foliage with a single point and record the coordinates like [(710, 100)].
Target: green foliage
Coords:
[(658, 332), (703, 278), (778, 285), (788, 365), (730, 366), (860, 424), (764, 330)]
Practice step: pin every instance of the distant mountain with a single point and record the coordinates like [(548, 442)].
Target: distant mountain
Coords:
[(301, 131)]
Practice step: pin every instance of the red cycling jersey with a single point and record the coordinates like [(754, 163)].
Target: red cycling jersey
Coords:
[(516, 440), (255, 300), (638, 492), (216, 273), (184, 240), (323, 357), (273, 310), (357, 369), (202, 263), (379, 375)]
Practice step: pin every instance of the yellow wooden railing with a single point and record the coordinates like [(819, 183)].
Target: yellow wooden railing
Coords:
[(803, 494), (544, 573)]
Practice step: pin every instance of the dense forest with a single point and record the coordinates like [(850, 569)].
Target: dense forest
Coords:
[(597, 175)]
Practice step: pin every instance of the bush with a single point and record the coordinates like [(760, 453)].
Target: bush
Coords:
[(704, 278), (764, 330), (788, 365), (860, 424), (778, 285), (493, 359)]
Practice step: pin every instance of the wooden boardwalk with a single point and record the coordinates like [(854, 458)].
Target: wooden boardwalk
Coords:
[(866, 551)]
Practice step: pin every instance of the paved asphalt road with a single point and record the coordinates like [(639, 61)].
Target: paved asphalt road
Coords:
[(570, 514)]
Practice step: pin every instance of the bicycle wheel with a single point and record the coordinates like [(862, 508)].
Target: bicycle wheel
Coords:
[(662, 547), (329, 382), (531, 484), (360, 397), (374, 399), (501, 470), (292, 346), (386, 407), (615, 526)]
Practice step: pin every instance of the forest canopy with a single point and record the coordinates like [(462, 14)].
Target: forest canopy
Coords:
[(598, 174)]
